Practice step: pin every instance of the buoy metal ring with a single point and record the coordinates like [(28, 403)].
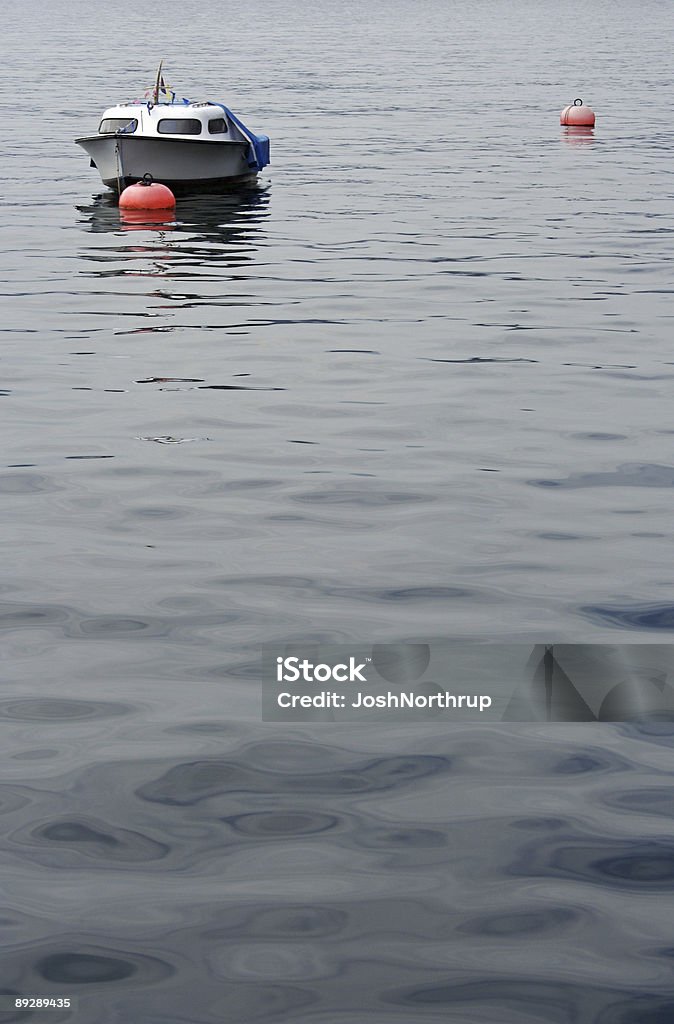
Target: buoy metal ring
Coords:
[(147, 179), (577, 103)]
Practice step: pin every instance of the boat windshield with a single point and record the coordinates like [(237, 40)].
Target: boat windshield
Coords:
[(179, 126), (111, 125)]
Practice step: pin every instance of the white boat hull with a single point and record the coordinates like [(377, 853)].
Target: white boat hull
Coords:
[(185, 165)]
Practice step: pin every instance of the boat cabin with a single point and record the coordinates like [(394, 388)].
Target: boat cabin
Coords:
[(206, 121)]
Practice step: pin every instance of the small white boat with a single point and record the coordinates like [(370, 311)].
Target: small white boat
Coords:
[(191, 147)]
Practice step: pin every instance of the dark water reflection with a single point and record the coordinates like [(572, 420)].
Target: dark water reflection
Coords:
[(307, 880), (226, 218), (220, 231)]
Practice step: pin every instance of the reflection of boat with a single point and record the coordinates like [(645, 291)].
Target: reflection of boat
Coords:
[(187, 146), (212, 218), (210, 231)]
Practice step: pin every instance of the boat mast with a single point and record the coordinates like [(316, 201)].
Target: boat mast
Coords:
[(156, 88)]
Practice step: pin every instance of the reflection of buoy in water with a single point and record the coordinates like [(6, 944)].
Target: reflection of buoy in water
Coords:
[(578, 135), (151, 220), (577, 114), (147, 195)]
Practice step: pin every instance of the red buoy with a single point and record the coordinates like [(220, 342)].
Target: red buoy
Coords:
[(147, 195), (577, 114)]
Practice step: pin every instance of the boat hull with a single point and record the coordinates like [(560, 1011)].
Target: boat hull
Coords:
[(184, 165)]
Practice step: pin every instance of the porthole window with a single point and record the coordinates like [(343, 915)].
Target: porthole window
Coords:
[(217, 125), (179, 126)]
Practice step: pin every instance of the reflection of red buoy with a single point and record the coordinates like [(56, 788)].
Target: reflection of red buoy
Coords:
[(577, 114), (578, 135), (147, 195), (149, 220)]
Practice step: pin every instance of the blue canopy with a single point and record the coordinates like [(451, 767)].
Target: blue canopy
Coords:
[(258, 154)]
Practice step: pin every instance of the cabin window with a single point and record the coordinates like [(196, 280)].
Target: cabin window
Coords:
[(216, 125), (179, 126), (111, 125)]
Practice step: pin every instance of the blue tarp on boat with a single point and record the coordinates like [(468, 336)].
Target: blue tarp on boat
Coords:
[(258, 155)]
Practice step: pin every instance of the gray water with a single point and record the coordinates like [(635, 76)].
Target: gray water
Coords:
[(416, 384)]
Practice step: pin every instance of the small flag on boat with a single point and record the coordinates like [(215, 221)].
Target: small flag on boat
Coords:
[(166, 90), (161, 93)]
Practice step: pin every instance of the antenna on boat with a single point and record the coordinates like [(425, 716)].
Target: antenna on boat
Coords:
[(156, 88)]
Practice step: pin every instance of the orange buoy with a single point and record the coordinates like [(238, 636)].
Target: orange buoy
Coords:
[(147, 195), (577, 114)]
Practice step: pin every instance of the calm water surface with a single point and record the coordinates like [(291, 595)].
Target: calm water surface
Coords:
[(415, 384)]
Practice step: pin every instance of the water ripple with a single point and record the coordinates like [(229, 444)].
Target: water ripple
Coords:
[(633, 864), (190, 783), (628, 475)]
